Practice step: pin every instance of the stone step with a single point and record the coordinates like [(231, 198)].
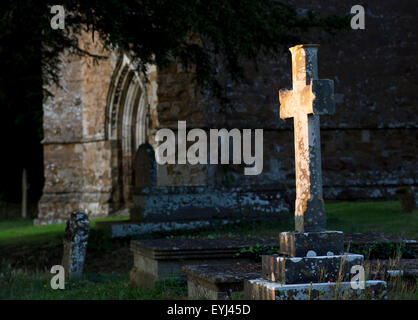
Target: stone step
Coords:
[(216, 282), (276, 268), (261, 289)]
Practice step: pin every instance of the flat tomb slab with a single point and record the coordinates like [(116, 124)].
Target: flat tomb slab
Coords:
[(218, 282), (260, 289), (126, 228), (288, 270), (158, 259), (146, 272), (174, 249)]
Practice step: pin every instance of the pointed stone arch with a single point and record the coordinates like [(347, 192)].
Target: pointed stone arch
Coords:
[(126, 126)]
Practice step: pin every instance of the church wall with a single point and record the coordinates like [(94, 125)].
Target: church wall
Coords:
[(368, 145), (76, 155)]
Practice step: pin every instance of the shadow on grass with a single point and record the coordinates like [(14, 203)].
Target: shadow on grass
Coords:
[(16, 284)]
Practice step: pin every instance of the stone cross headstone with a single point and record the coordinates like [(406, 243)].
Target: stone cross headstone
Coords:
[(75, 245), (305, 102), (312, 260), (308, 99)]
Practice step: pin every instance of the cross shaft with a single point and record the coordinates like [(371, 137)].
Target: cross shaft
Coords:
[(308, 99)]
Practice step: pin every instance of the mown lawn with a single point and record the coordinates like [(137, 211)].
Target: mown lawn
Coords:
[(350, 217), (372, 217)]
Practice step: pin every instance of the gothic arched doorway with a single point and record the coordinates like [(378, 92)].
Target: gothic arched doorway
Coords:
[(126, 127)]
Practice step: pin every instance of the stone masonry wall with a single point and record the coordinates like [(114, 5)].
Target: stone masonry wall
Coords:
[(368, 144), (76, 155)]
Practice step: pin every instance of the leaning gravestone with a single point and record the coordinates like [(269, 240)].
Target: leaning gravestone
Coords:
[(313, 263), (75, 245)]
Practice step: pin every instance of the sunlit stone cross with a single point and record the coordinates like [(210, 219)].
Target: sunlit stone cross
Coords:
[(308, 99)]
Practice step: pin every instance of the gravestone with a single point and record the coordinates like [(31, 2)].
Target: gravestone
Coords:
[(75, 245), (313, 262)]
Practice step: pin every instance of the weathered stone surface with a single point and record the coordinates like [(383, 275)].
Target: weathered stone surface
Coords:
[(260, 289), (331, 268), (147, 271), (75, 245), (167, 249), (77, 155), (125, 229), (198, 203), (296, 244)]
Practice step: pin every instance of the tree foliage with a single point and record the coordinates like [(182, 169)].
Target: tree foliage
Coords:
[(195, 32)]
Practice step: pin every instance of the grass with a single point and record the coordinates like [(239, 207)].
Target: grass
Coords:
[(399, 289), (16, 284), (22, 231), (370, 217), (350, 217)]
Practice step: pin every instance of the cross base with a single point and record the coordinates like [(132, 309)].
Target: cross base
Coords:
[(296, 244), (312, 265)]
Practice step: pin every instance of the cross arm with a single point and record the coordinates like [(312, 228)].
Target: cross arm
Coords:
[(287, 103), (296, 101), (315, 98)]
